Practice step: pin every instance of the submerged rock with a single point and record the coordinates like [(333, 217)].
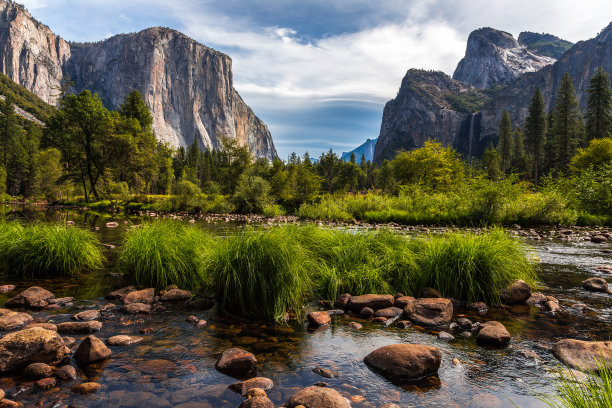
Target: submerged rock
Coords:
[(66, 373), (32, 298), (405, 361), (176, 295), (79, 327), (35, 345), (257, 402), (137, 308), (327, 373), (374, 302), (595, 285), (319, 397), (38, 370), (516, 293), (120, 293), (584, 355), (91, 350), (430, 311), (123, 340), (86, 388), (87, 315), (536, 299), (492, 334), (243, 387), (236, 361), (318, 318)]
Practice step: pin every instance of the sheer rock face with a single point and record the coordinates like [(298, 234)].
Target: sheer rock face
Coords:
[(494, 57), (188, 86)]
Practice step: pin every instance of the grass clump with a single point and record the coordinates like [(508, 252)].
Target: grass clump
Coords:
[(261, 273), (47, 249), (166, 252), (474, 267), (593, 392)]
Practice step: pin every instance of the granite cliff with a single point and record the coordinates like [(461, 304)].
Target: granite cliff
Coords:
[(188, 86)]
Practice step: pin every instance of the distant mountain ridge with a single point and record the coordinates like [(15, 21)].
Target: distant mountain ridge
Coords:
[(187, 86), (366, 149)]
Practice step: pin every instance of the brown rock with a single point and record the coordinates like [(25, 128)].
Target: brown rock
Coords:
[(355, 325), (6, 403), (479, 307), (492, 334), (403, 301), (430, 311), (66, 373), (595, 285), (257, 402), (46, 383), (536, 299), (380, 319), (120, 293), (325, 372), (552, 306), (35, 345), (431, 293), (38, 370), (140, 296), (32, 298), (79, 327), (176, 295), (46, 326), (374, 302), (405, 361), (404, 324), (236, 361), (516, 293), (1, 394), (319, 318), (256, 392), (157, 366), (137, 308), (390, 405), (123, 340), (258, 382), (7, 288), (192, 319), (318, 397), (599, 239), (584, 355), (86, 388), (342, 301), (388, 312), (87, 315), (366, 312), (13, 320), (91, 350)]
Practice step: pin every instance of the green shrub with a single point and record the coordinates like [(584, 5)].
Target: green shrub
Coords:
[(252, 194), (166, 252), (47, 249), (593, 392)]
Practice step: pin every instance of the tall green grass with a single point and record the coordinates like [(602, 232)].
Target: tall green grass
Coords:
[(261, 273), (166, 252), (43, 249), (593, 392)]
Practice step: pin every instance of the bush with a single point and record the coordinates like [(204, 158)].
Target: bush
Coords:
[(252, 194), (47, 249), (166, 252)]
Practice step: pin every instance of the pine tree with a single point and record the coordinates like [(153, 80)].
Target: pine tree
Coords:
[(504, 146), (598, 112), (8, 128), (519, 158), (535, 129), (567, 128)]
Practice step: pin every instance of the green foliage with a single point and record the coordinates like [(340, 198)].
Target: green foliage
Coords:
[(535, 132), (162, 253), (49, 173), (466, 102), (571, 392), (593, 189), (567, 126), (25, 99), (505, 146), (2, 182), (596, 155), (598, 113), (47, 249), (252, 194)]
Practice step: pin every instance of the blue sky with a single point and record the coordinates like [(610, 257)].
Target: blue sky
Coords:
[(319, 72)]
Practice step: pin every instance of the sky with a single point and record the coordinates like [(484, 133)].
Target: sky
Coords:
[(319, 72)]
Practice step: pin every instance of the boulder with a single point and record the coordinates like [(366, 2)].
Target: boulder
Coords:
[(38, 370), (123, 340), (536, 299), (31, 298), (243, 387), (389, 312), (176, 295), (595, 285), (479, 307), (140, 296), (318, 318), (137, 308), (430, 311), (492, 334), (342, 301), (584, 355), (236, 361), (403, 301), (374, 302), (46, 383), (79, 327), (10, 320), (66, 373), (119, 294), (317, 397), (86, 388), (91, 350), (35, 345), (257, 402), (87, 315), (516, 293), (366, 312), (405, 361)]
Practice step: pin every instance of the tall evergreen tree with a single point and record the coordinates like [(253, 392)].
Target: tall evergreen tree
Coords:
[(504, 146), (535, 129), (567, 123), (519, 158), (8, 128), (598, 113)]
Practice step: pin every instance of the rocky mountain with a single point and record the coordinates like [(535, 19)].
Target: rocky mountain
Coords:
[(366, 149), (544, 44), (423, 107), (188, 86), (494, 57)]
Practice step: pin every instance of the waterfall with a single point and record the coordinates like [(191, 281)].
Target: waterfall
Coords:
[(471, 137)]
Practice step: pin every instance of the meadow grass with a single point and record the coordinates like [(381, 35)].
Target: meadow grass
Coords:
[(47, 249), (593, 392), (261, 273), (166, 252)]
